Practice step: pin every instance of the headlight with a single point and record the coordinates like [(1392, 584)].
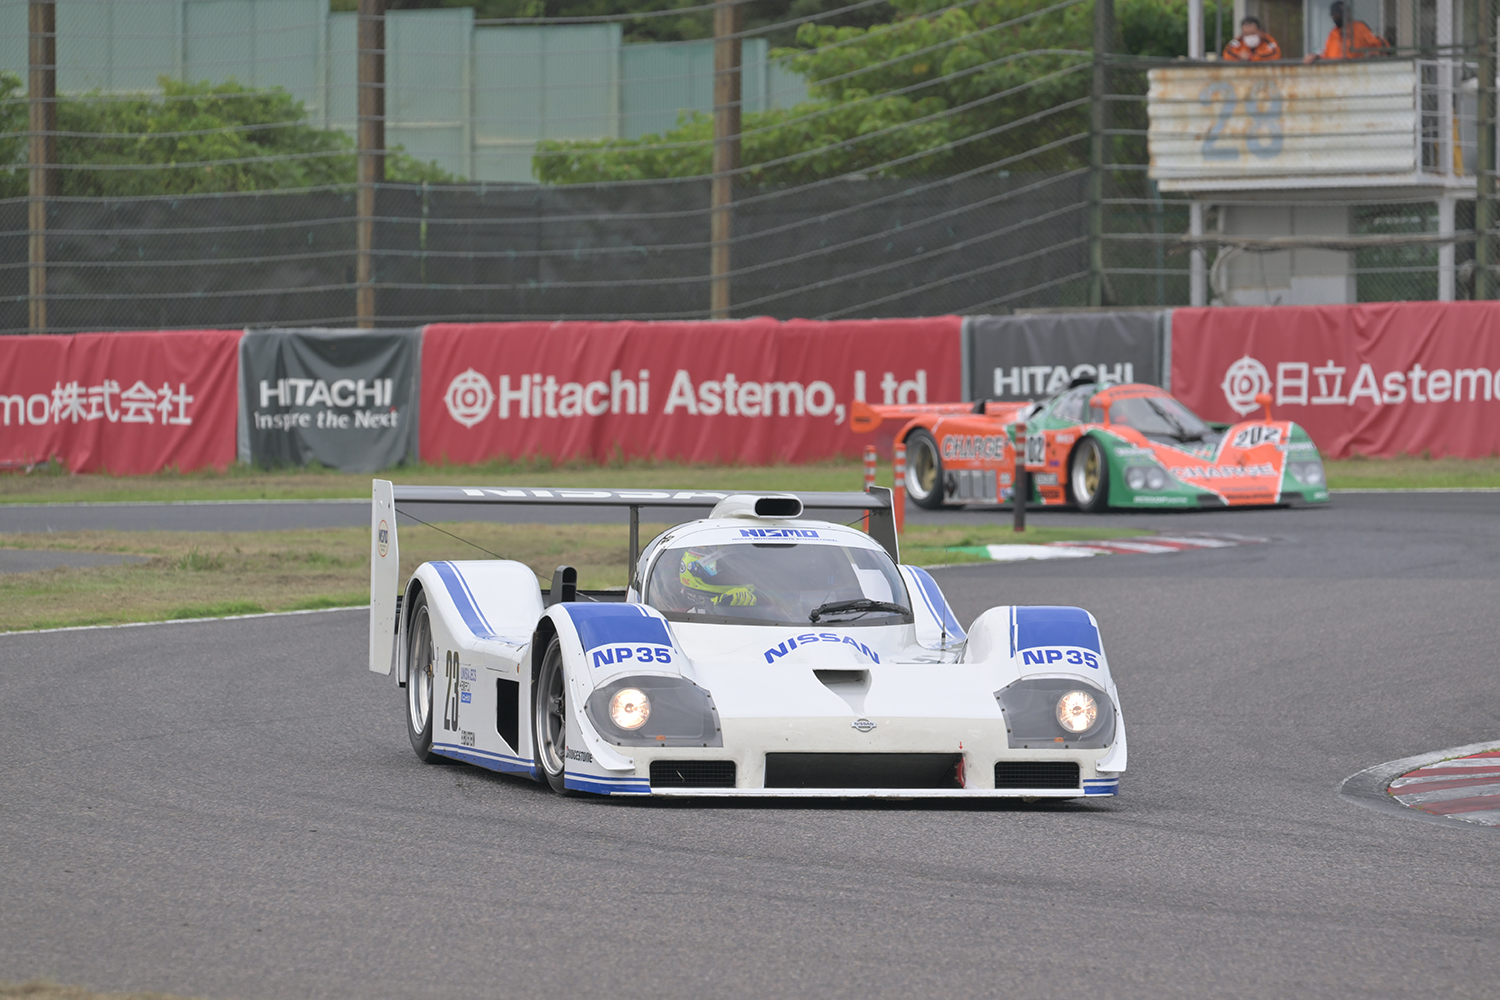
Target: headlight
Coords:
[(629, 708), (1076, 711), (661, 711), (1145, 477), (1062, 713), (1310, 473)]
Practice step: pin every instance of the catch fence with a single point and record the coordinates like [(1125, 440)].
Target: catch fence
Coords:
[(966, 158)]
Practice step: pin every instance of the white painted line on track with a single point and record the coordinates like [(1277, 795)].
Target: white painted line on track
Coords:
[(1128, 545), (1418, 489), (1017, 553), (1142, 545), (187, 621)]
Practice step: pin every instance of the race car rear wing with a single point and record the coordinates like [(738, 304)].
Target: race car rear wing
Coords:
[(387, 500), (865, 417)]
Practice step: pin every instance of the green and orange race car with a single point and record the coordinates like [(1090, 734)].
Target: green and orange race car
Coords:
[(1097, 445)]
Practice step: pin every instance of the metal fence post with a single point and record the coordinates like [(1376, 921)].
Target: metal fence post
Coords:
[(1020, 489), (41, 87), (1484, 195), (371, 64), (872, 457), (1104, 15), (898, 491), (727, 49)]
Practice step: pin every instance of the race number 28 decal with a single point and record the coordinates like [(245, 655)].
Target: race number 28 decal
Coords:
[(451, 694)]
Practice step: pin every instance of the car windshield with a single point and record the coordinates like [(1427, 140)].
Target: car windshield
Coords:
[(776, 583), (1161, 415)]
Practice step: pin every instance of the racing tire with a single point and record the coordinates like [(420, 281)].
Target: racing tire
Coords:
[(924, 470), (421, 686), (549, 719), (1088, 477)]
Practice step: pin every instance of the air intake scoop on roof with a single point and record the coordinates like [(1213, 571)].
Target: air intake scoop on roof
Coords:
[(771, 507)]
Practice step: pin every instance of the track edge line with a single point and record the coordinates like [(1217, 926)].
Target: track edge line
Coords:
[(186, 621)]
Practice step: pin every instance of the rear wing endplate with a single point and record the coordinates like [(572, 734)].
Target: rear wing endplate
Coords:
[(385, 577)]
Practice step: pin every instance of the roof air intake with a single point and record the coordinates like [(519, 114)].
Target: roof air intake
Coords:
[(775, 507)]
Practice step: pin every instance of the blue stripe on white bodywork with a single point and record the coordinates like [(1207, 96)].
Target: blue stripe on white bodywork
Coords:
[(463, 600), (1101, 786), (509, 763), (1046, 625), (611, 624), (932, 597), (605, 785)]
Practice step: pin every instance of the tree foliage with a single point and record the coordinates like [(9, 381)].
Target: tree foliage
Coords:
[(938, 90), (760, 16), (192, 139)]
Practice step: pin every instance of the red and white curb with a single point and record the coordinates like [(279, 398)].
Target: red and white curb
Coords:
[(1464, 788), (1144, 545), (1416, 787)]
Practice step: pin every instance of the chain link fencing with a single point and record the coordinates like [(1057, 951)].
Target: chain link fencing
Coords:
[(936, 164)]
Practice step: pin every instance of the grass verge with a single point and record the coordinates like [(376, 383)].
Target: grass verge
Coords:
[(54, 485), (38, 989), (1413, 473), (208, 575)]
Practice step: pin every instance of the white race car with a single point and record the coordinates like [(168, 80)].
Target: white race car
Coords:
[(755, 653)]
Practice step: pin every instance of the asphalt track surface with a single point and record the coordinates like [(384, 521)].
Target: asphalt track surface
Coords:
[(231, 809)]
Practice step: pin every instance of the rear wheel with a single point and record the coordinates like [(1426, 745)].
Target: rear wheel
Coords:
[(1088, 476), (549, 727), (924, 470), (421, 657)]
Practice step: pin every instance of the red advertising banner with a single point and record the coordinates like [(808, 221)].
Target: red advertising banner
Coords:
[(1378, 379), (752, 391), (125, 403)]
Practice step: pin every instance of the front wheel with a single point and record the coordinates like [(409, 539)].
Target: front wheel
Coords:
[(549, 726), (1088, 476), (421, 658), (924, 470)]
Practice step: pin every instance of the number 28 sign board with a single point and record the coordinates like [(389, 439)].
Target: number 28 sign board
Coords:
[(1238, 126)]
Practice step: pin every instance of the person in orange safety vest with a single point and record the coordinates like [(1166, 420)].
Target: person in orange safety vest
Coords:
[(1253, 45), (1349, 39)]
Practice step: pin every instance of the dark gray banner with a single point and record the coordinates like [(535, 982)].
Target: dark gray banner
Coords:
[(1034, 355), (344, 398)]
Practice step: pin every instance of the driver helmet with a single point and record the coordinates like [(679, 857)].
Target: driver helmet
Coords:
[(708, 578)]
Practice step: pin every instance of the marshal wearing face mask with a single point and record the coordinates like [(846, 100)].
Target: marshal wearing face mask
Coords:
[(1254, 44)]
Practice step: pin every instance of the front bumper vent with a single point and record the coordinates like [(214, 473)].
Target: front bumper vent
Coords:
[(862, 770), (1049, 774), (692, 774)]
